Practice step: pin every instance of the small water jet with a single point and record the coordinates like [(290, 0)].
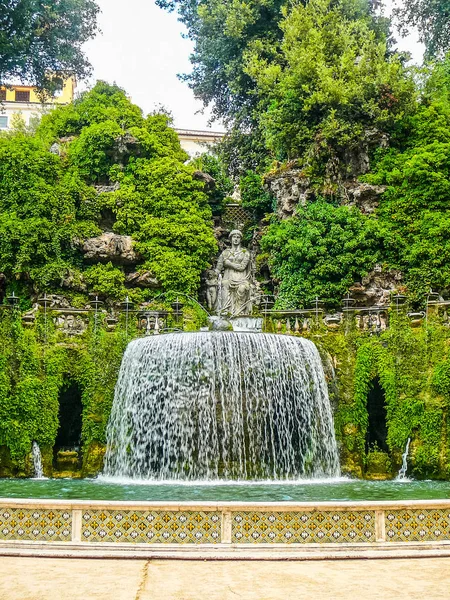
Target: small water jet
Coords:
[(37, 461), (402, 472), (216, 405)]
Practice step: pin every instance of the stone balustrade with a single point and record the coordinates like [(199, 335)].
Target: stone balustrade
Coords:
[(235, 523), (374, 319)]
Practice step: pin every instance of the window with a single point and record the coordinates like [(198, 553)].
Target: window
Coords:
[(22, 96), (2, 95), (3, 122)]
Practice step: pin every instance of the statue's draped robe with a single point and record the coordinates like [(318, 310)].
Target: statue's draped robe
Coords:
[(235, 266)]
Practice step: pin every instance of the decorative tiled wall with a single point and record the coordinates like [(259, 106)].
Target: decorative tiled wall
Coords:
[(33, 524), (212, 524), (155, 527), (313, 527), (414, 525)]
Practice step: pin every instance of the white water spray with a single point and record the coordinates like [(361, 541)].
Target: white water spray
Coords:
[(247, 324), (37, 461), (221, 405), (402, 472)]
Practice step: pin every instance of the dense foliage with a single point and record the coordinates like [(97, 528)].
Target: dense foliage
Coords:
[(320, 252), (222, 32), (411, 366), (318, 87), (222, 187), (34, 369), (49, 205), (414, 210), (39, 39), (258, 63), (331, 80), (408, 231), (315, 86)]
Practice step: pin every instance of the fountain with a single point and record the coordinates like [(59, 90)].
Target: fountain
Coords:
[(214, 405), (37, 461)]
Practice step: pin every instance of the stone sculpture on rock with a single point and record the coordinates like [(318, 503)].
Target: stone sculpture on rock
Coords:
[(110, 247), (236, 285)]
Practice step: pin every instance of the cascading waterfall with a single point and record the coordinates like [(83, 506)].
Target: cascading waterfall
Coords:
[(221, 405), (37, 461)]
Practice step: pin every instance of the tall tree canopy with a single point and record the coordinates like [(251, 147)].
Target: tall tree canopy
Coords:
[(222, 31), (278, 72), (330, 82), (39, 39)]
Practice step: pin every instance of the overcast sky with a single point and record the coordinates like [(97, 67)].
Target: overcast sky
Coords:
[(140, 47)]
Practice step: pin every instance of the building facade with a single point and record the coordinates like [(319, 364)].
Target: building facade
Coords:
[(195, 142), (24, 101)]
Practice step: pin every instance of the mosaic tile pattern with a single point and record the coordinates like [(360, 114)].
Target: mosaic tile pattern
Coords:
[(313, 527), (151, 527), (32, 524), (427, 525)]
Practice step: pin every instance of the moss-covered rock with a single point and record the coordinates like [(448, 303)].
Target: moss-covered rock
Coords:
[(93, 459), (67, 464), (378, 465)]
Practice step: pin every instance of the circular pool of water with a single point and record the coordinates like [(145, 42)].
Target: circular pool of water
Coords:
[(331, 490)]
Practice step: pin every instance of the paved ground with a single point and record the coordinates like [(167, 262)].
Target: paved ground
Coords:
[(98, 579)]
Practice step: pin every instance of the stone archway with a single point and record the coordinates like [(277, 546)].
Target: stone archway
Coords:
[(376, 436), (70, 417)]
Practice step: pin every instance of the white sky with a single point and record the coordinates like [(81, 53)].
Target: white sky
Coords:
[(141, 49)]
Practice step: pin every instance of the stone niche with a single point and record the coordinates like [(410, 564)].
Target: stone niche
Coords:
[(110, 247)]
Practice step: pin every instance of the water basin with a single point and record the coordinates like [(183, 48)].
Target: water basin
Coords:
[(338, 490)]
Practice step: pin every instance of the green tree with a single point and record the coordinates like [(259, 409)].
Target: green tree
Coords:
[(254, 196), (103, 103), (242, 47), (222, 32), (41, 39), (333, 87), (43, 209), (222, 187), (414, 208)]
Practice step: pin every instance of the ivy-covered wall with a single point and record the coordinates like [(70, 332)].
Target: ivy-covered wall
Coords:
[(36, 364), (411, 366)]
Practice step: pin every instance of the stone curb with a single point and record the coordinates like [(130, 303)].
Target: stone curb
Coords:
[(231, 553)]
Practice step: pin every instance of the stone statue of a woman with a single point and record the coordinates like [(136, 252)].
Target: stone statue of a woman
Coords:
[(234, 265)]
